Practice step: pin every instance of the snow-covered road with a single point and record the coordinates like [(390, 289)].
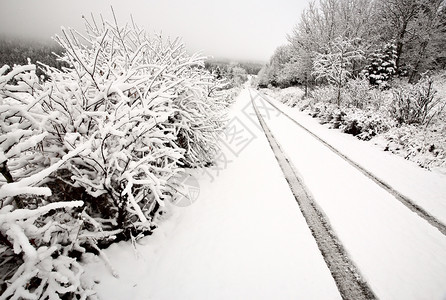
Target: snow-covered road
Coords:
[(245, 237), (414, 205), (346, 275), (400, 254)]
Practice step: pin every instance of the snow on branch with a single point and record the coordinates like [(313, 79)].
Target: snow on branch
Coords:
[(128, 114)]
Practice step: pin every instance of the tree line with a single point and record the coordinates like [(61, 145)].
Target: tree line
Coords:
[(335, 40), (16, 51)]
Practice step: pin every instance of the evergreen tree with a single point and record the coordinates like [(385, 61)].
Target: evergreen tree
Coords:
[(382, 66)]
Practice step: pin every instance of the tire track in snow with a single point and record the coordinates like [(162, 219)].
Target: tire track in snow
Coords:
[(344, 272), (421, 212)]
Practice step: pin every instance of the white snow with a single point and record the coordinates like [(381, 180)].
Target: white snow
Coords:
[(400, 255)]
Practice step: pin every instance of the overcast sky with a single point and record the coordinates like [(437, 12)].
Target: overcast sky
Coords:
[(234, 29)]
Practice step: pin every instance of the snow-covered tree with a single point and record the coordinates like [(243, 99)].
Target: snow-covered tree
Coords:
[(264, 76), (324, 21), (395, 19), (382, 65), (303, 68), (428, 39), (282, 70), (418, 27), (335, 66), (238, 75)]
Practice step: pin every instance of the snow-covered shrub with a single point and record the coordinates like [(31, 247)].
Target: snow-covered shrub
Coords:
[(112, 130), (416, 104), (37, 237), (329, 114), (366, 124), (324, 93), (142, 106), (290, 96), (22, 129), (43, 238), (357, 93), (425, 147), (439, 80)]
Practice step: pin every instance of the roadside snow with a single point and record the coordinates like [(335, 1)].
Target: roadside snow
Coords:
[(399, 254), (244, 238)]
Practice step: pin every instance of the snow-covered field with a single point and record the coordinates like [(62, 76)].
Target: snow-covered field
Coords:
[(245, 237)]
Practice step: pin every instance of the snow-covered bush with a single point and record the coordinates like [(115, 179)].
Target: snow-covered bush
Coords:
[(366, 124), (324, 93), (44, 238), (358, 93), (426, 147), (416, 104), (290, 96), (22, 126), (143, 106), (112, 130)]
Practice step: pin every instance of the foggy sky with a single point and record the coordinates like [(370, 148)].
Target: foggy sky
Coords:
[(234, 29)]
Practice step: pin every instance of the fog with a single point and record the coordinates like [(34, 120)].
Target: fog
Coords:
[(233, 29)]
